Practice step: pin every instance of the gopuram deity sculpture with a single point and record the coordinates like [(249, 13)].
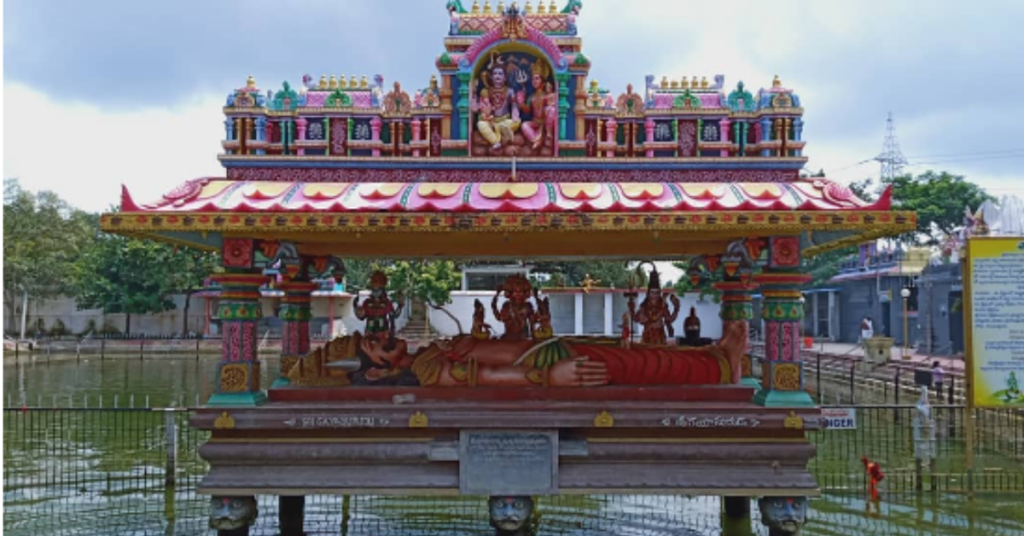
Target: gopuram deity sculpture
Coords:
[(654, 314), (542, 104), (517, 313), (378, 311), (498, 118)]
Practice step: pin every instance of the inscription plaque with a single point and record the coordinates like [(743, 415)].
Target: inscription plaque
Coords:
[(508, 462)]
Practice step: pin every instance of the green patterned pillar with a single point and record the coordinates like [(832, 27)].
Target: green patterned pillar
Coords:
[(463, 104), (737, 306), (782, 379), (563, 104), (294, 314)]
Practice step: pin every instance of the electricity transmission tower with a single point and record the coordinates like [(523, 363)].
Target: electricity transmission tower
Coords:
[(891, 158)]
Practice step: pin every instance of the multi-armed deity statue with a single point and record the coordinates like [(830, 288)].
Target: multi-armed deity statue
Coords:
[(379, 311), (654, 313)]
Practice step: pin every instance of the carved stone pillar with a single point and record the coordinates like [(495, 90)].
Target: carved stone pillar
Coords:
[(262, 132), (300, 131), (737, 306), (766, 135), (610, 126), (416, 124), (649, 137), (782, 381), (375, 125), (294, 314), (724, 132)]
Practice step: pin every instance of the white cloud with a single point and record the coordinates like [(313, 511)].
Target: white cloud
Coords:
[(86, 154)]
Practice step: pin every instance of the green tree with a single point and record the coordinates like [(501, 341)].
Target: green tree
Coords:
[(939, 200), (426, 283), (43, 235), (572, 273), (129, 276)]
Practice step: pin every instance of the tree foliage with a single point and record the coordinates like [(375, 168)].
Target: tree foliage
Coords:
[(571, 274), (428, 281), (43, 235), (939, 200), (130, 276)]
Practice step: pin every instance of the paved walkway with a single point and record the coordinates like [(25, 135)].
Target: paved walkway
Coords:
[(952, 365)]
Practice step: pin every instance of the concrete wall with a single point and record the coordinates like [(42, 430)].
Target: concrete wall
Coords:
[(563, 312)]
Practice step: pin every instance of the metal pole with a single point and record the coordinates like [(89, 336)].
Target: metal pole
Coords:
[(142, 343), (896, 393), (818, 377), (172, 448), (906, 329), (103, 349), (853, 371), (968, 369)]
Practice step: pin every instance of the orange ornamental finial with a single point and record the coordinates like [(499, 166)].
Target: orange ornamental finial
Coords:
[(250, 83), (776, 82)]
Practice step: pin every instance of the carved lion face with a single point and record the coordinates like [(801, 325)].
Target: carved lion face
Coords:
[(510, 514), (783, 513), (231, 513)]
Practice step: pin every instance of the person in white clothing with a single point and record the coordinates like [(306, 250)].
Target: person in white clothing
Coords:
[(867, 329)]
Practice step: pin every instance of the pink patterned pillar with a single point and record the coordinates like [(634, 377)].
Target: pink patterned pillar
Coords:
[(300, 127), (782, 382), (238, 374), (375, 125), (649, 132), (416, 134), (295, 315), (724, 131), (610, 128)]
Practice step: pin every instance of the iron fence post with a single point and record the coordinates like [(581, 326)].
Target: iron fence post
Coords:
[(172, 447), (818, 377), (896, 393), (853, 371)]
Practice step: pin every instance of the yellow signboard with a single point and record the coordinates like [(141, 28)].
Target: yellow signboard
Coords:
[(994, 295)]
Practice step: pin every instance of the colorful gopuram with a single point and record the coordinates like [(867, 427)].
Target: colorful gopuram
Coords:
[(511, 152)]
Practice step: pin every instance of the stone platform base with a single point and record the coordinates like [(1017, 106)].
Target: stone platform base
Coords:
[(701, 441)]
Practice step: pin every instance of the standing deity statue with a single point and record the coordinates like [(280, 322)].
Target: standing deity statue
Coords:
[(542, 320), (543, 106), (654, 314), (378, 310), (481, 329), (517, 313), (498, 118)]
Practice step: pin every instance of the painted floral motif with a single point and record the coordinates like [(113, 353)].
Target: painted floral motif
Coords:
[(785, 251), (237, 253)]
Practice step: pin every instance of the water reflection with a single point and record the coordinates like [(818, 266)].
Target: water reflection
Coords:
[(88, 473), (184, 513)]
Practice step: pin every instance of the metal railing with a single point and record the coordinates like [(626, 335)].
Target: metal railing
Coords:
[(99, 468)]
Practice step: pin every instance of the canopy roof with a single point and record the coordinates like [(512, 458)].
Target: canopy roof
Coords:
[(510, 220)]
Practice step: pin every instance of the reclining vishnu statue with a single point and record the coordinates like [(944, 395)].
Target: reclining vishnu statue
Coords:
[(526, 354)]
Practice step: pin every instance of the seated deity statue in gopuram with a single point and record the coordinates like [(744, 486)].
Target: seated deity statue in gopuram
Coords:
[(655, 314), (521, 358), (542, 104), (516, 107)]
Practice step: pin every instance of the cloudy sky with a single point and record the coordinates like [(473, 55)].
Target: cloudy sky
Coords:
[(103, 92)]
